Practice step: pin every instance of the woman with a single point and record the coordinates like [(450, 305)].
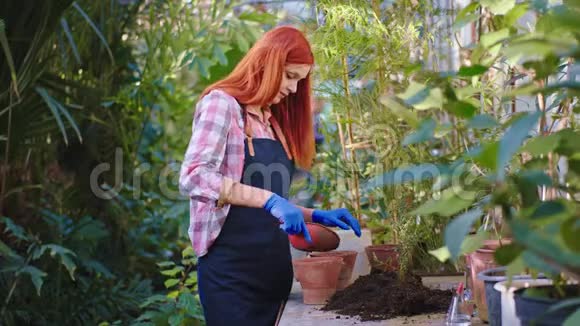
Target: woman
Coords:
[(249, 131)]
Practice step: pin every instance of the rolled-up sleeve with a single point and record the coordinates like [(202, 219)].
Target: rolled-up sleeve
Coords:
[(200, 178)]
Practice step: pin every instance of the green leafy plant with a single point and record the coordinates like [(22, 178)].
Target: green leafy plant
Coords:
[(181, 306), (501, 170), (88, 84), (41, 273)]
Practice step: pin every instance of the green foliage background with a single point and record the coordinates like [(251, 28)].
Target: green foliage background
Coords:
[(89, 84)]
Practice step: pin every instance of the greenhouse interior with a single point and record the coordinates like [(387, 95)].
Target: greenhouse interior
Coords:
[(289, 162)]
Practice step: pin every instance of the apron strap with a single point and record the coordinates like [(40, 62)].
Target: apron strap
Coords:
[(277, 131), (280, 313), (248, 132), (280, 135)]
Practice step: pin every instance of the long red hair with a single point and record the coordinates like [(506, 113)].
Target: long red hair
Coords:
[(256, 81)]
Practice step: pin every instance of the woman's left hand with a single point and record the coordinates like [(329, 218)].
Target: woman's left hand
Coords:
[(337, 217)]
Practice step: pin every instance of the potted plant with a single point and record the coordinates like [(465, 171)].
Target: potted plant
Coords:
[(508, 306), (493, 298), (383, 257), (542, 304), (499, 157), (365, 133)]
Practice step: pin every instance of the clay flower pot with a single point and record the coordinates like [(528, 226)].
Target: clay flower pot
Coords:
[(348, 257), (384, 258), (479, 261), (323, 238), (494, 244), (318, 277)]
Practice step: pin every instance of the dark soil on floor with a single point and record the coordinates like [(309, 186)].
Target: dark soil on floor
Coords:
[(381, 296)]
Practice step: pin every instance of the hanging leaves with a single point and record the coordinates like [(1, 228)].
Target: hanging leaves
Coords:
[(498, 7), (422, 97), (458, 228), (513, 139)]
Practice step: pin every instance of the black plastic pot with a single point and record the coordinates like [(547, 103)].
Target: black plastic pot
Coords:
[(532, 310), (493, 297)]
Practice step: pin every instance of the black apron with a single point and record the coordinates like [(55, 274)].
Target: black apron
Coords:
[(246, 276)]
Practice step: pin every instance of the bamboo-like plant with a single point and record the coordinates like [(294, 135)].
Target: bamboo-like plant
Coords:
[(363, 51)]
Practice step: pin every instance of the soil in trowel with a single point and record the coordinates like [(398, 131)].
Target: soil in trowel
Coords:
[(382, 296)]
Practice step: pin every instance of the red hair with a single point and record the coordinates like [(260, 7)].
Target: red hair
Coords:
[(256, 81)]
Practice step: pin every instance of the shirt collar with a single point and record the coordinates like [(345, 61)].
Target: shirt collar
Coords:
[(256, 112)]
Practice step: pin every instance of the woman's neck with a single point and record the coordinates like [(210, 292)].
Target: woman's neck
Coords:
[(254, 107)]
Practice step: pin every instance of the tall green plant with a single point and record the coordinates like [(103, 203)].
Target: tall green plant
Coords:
[(502, 170), (363, 43)]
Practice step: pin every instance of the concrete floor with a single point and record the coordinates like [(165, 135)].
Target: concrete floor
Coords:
[(297, 313)]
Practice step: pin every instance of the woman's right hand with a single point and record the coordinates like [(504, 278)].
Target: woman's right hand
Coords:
[(290, 216)]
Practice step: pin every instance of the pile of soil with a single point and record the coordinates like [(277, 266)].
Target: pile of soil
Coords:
[(382, 296)]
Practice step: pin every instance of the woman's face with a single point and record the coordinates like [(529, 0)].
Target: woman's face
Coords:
[(293, 73)]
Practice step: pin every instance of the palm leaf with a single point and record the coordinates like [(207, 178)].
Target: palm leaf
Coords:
[(63, 52), (73, 45), (8, 54), (70, 119), (54, 109), (96, 29)]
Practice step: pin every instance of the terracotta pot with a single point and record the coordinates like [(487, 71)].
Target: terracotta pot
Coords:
[(349, 241), (383, 258), (318, 277), (480, 260), (494, 244), (348, 257), (323, 238)]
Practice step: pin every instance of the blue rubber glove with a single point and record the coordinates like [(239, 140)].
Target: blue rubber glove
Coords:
[(337, 217), (290, 216)]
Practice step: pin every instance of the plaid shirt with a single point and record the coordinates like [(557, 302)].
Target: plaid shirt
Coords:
[(215, 150)]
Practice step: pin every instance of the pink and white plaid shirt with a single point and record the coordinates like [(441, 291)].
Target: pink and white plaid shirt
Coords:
[(215, 150)]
